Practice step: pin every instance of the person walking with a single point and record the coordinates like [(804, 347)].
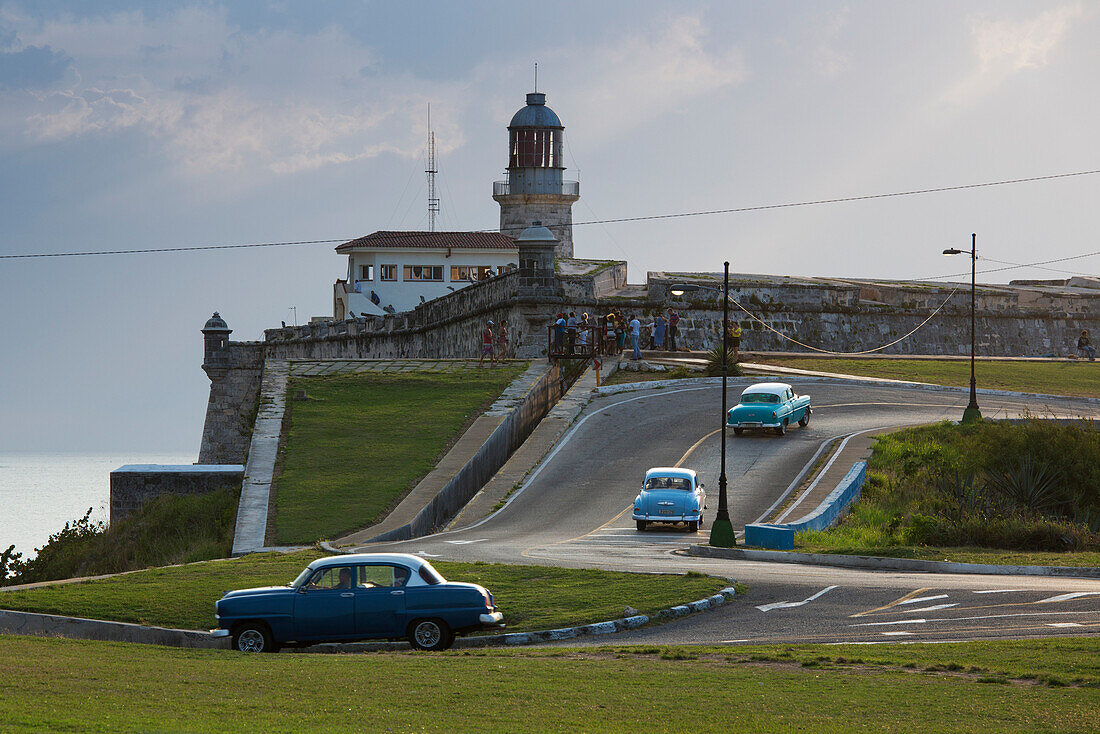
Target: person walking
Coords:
[(635, 335), (502, 340), (673, 320), (583, 330), (559, 333), (487, 345), (733, 337), (1084, 346), (658, 327), (571, 332), (610, 333)]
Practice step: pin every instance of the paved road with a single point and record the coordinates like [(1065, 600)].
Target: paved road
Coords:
[(574, 511)]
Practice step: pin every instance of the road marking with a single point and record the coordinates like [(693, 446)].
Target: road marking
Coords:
[(933, 608), (894, 603), (821, 474), (919, 599), (1000, 591), (426, 553), (886, 624), (1063, 624), (1067, 597), (464, 542), (727, 642), (896, 633), (789, 604)]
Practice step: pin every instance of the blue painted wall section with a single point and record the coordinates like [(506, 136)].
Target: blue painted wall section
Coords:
[(781, 537)]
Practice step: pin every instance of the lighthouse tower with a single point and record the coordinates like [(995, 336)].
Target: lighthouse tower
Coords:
[(535, 189)]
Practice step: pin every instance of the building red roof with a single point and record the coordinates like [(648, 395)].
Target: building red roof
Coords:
[(432, 240)]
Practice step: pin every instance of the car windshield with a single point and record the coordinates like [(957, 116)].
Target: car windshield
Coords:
[(759, 397), (668, 483), (296, 583)]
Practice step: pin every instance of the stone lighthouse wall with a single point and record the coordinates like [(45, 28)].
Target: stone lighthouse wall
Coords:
[(235, 375), (555, 211)]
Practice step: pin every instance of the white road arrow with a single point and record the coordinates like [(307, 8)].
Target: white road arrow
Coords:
[(789, 604)]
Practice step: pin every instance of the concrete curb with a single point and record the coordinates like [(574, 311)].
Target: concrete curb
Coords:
[(76, 628), (778, 372), (514, 639), (780, 535), (51, 625), (879, 563)]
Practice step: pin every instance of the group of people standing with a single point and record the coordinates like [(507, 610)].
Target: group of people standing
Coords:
[(610, 333)]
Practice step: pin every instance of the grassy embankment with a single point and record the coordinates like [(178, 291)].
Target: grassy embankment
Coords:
[(362, 441), (167, 530), (1025, 686), (1081, 379), (531, 597), (1021, 494)]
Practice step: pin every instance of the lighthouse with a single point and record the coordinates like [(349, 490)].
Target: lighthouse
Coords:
[(535, 189)]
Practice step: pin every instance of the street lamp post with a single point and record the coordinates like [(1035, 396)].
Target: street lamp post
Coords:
[(972, 412), (722, 534)]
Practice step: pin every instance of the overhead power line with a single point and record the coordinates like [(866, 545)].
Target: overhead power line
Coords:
[(643, 218)]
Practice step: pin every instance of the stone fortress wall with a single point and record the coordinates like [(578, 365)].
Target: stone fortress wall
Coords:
[(1035, 319)]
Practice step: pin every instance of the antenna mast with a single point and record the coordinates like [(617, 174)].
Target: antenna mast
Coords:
[(433, 199)]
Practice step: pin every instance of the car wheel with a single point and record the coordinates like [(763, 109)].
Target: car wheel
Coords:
[(738, 431), (693, 526), (430, 634), (641, 524), (253, 637), (781, 428), (805, 419)]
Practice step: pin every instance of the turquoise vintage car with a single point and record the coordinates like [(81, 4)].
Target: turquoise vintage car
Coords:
[(356, 597), (769, 405), (670, 494)]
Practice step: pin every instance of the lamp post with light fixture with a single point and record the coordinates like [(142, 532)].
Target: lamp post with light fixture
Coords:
[(722, 534), (972, 412)]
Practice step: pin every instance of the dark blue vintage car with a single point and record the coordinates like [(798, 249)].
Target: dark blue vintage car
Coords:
[(356, 597)]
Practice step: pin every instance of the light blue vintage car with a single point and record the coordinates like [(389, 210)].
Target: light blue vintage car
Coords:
[(670, 494), (356, 597), (769, 405)]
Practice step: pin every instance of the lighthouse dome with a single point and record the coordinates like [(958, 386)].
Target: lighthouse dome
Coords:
[(536, 113)]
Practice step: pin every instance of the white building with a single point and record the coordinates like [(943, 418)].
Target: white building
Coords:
[(396, 271)]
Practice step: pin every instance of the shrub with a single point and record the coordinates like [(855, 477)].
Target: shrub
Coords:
[(714, 362), (168, 530)]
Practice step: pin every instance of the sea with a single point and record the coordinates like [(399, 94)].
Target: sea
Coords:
[(39, 493)]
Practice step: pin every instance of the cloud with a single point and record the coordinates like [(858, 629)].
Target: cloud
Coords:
[(646, 75), (218, 98), (1005, 47), (33, 68)]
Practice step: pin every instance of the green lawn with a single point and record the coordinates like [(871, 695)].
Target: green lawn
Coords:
[(531, 597), (1048, 378), (989, 492), (1030, 686), (362, 441)]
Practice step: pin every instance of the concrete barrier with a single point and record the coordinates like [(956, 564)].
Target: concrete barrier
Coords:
[(77, 628), (781, 536), (491, 456)]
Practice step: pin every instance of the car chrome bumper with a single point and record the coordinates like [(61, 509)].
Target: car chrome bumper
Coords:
[(754, 424), (667, 518), (493, 619), (219, 633)]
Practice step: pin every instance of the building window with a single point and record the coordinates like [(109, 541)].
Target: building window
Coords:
[(389, 272), (366, 272), (424, 272), (470, 273)]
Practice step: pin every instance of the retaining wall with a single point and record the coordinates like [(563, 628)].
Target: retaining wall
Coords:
[(505, 439), (135, 484)]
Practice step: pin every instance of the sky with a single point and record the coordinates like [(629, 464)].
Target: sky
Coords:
[(132, 125)]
